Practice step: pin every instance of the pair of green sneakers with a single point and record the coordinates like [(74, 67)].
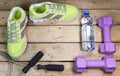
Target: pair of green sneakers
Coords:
[(17, 21)]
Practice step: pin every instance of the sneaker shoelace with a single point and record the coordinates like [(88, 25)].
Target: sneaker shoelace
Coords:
[(57, 7), (12, 32)]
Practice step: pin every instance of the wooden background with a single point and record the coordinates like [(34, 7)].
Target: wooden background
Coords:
[(60, 42)]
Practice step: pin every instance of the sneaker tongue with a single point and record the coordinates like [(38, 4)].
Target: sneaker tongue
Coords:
[(12, 21), (46, 6)]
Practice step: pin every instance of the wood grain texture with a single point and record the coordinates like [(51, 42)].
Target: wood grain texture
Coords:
[(61, 41), (95, 14), (68, 71), (60, 34), (81, 4), (60, 52)]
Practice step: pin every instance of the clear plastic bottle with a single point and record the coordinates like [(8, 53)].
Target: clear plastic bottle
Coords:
[(87, 31)]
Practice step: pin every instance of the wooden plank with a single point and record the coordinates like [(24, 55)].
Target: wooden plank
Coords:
[(59, 34), (82, 4), (95, 14), (68, 71), (60, 52)]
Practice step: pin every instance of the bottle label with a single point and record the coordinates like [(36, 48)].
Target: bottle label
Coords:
[(87, 37)]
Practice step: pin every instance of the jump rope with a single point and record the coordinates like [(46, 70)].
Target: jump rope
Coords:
[(31, 63)]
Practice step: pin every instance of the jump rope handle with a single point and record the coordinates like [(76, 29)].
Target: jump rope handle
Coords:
[(51, 67), (32, 62)]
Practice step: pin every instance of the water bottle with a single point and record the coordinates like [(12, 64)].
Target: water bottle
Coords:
[(87, 30)]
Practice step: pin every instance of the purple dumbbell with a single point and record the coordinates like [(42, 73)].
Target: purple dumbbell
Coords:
[(107, 47), (108, 64)]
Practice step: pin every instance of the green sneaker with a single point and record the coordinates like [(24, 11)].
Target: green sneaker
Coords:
[(48, 10), (17, 41)]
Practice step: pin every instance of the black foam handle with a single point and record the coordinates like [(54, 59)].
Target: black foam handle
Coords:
[(32, 62), (51, 67)]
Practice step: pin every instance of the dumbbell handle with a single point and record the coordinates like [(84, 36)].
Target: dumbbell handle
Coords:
[(107, 34), (95, 64)]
